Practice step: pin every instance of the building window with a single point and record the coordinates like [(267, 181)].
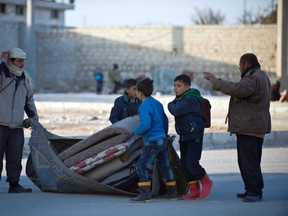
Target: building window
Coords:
[(54, 14), (3, 8), (19, 10)]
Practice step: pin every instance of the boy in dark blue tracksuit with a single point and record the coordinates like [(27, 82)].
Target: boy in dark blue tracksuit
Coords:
[(190, 126), (127, 104)]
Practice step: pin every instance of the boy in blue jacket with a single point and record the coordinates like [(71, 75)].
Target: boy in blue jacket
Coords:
[(153, 127), (190, 126)]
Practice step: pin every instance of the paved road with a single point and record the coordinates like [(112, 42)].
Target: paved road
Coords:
[(221, 164)]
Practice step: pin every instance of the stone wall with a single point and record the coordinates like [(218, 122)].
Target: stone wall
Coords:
[(67, 58)]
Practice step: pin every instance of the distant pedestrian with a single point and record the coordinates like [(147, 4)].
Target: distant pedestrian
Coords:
[(276, 94), (153, 128), (99, 78), (248, 118), (115, 78), (283, 96), (275, 91), (190, 126), (16, 96), (127, 104)]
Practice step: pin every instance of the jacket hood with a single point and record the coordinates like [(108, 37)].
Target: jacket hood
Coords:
[(193, 92)]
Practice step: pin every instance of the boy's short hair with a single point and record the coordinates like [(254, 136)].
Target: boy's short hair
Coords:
[(145, 86), (183, 78), (130, 82)]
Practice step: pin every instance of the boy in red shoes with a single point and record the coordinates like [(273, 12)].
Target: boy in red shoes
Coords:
[(190, 126)]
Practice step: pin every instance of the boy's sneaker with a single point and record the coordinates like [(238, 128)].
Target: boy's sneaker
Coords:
[(19, 189), (171, 193)]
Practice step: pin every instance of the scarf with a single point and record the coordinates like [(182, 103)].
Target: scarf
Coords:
[(18, 72), (128, 99)]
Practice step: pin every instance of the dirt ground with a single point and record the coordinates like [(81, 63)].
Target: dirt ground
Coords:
[(76, 123), (84, 122), (90, 114)]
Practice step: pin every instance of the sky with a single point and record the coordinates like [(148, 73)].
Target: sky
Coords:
[(156, 12)]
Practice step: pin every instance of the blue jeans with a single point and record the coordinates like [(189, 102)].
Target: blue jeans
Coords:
[(154, 150)]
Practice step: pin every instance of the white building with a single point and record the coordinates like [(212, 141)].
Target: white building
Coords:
[(48, 13)]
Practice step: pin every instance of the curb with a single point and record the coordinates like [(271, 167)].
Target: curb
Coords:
[(223, 140)]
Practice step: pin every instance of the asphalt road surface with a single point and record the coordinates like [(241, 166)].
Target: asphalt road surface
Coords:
[(222, 201)]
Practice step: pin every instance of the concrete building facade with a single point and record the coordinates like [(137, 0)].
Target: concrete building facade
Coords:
[(49, 13)]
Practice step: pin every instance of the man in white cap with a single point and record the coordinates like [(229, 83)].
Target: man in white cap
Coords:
[(16, 96)]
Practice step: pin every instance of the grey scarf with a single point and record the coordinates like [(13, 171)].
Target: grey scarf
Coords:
[(18, 72)]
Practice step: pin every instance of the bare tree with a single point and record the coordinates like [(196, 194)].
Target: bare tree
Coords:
[(247, 17), (207, 17), (269, 13), (263, 15)]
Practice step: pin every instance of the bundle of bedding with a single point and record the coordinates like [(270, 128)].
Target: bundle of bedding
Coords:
[(101, 163)]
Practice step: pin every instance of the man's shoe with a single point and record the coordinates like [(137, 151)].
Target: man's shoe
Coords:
[(252, 198), (19, 189), (242, 195)]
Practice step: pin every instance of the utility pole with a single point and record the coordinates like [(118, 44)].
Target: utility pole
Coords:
[(282, 22), (30, 38)]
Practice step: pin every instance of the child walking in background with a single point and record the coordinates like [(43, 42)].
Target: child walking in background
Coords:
[(153, 127), (190, 126)]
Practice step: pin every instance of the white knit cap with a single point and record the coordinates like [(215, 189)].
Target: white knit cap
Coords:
[(17, 53)]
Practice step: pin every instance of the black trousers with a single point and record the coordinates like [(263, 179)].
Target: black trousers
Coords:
[(249, 151), (191, 151), (11, 143), (99, 86), (117, 87)]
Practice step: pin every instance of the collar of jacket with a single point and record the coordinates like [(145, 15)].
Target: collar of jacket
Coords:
[(128, 99), (251, 68)]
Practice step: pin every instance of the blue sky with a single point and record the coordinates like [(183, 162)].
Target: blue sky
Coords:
[(137, 12)]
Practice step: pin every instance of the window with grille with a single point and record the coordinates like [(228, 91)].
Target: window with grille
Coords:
[(2, 8), (19, 10), (54, 14)]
